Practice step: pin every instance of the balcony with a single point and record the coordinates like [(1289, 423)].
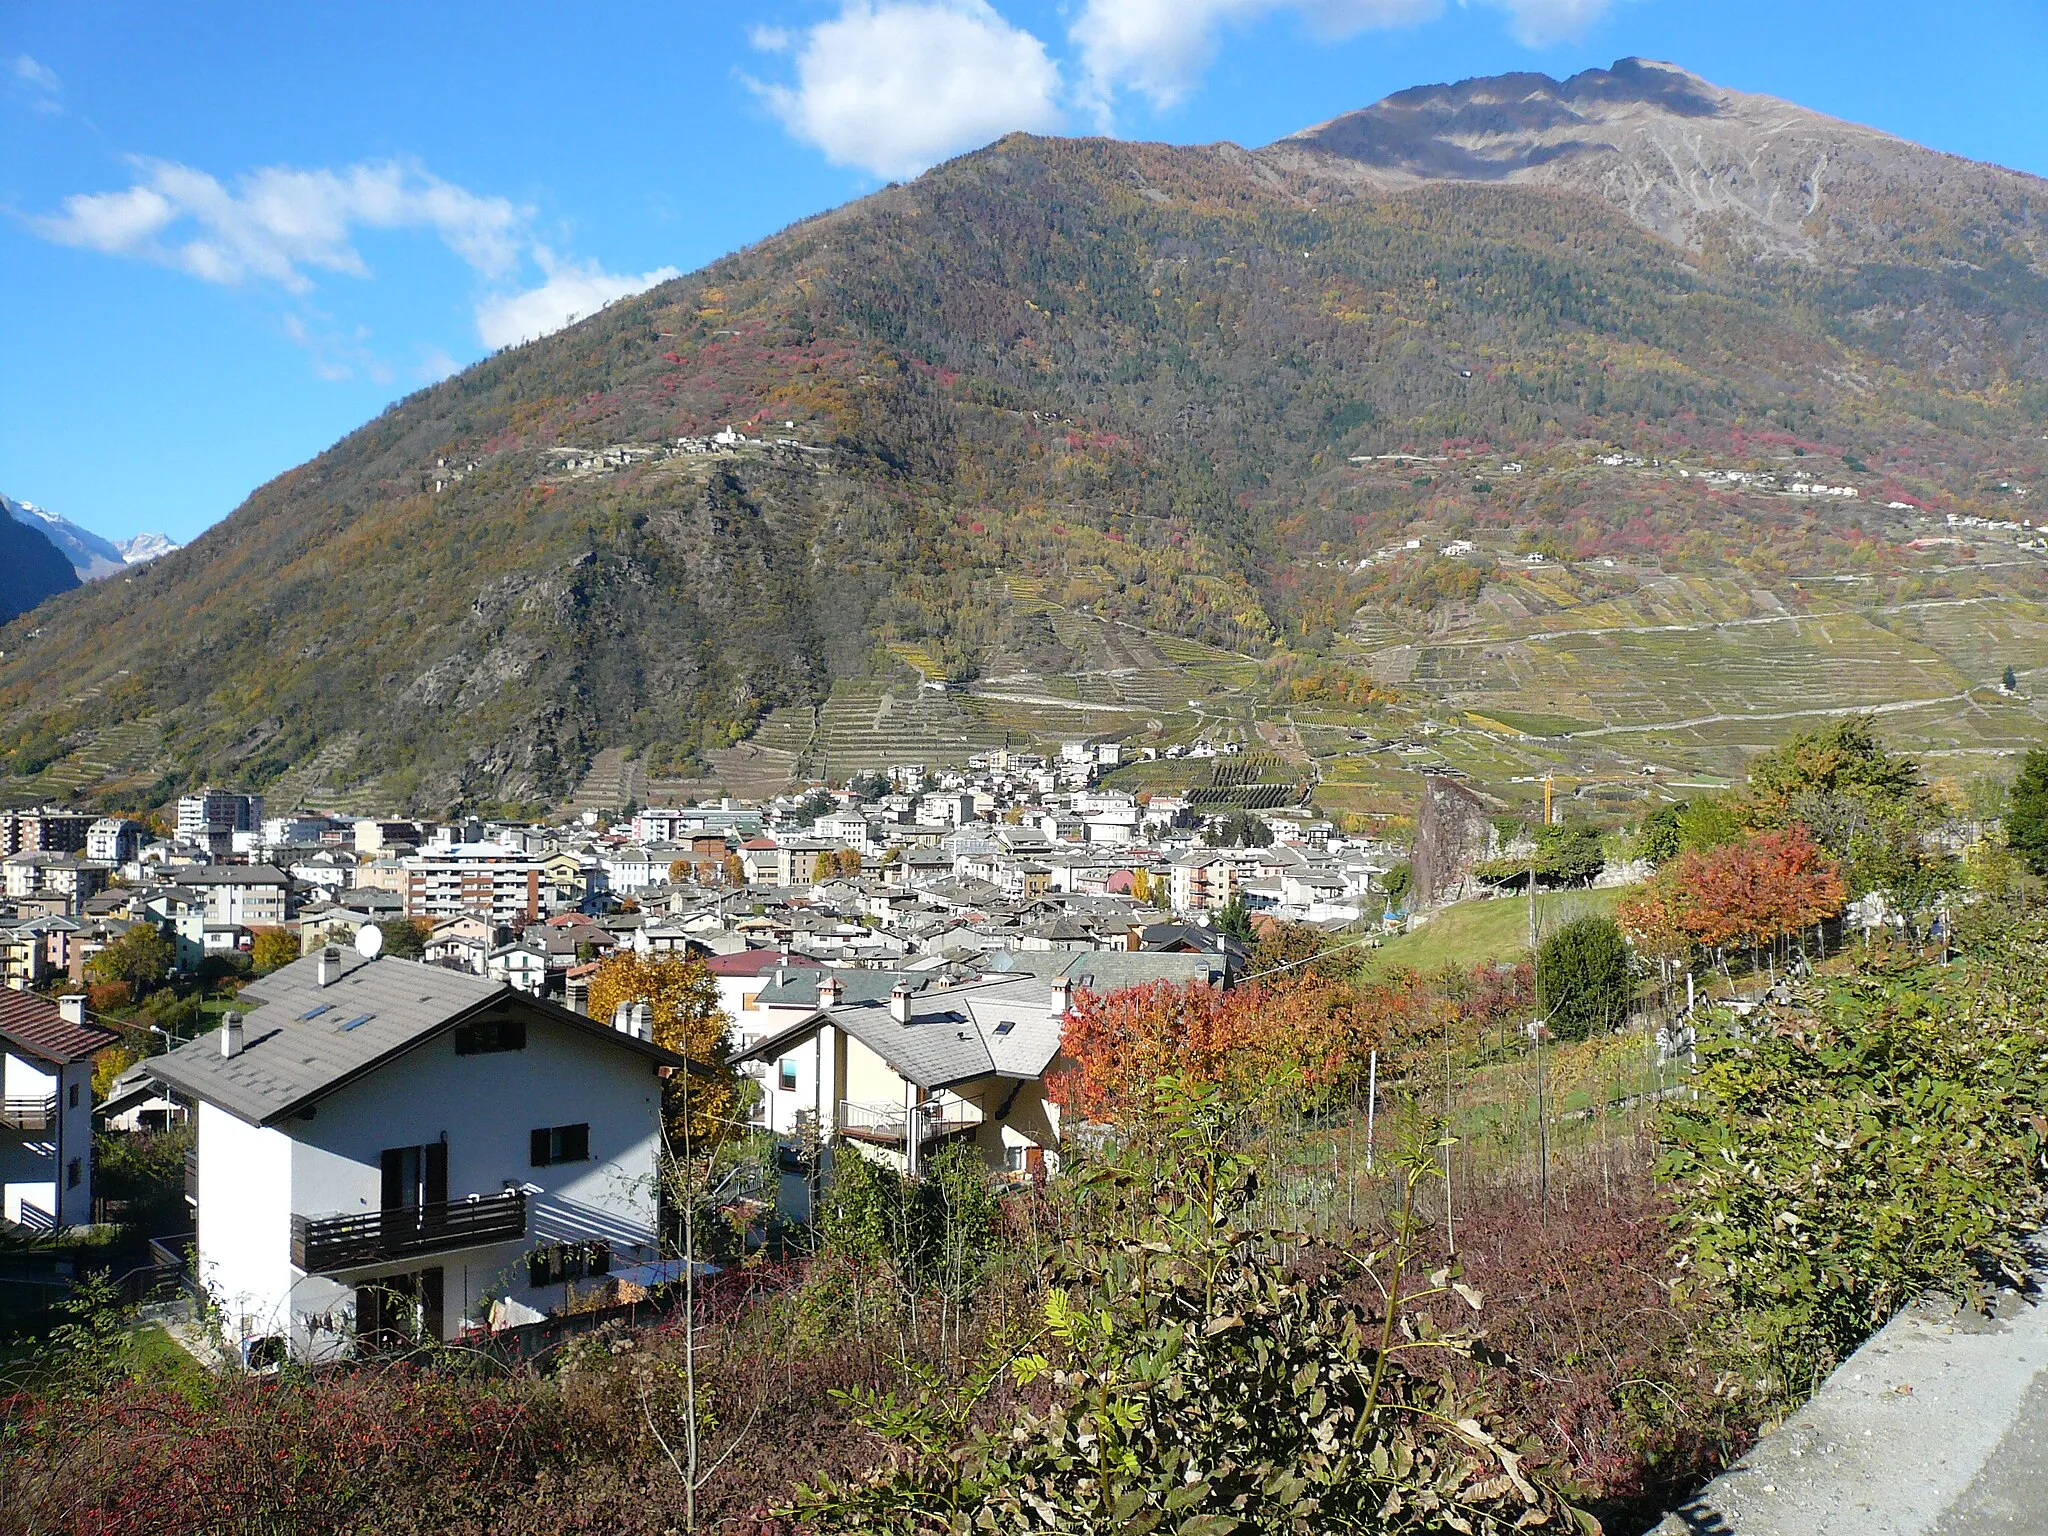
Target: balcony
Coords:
[(324, 1243), (883, 1123), (28, 1114)]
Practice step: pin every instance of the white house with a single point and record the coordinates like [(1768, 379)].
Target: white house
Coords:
[(46, 1052), (899, 1075), (387, 1149), (522, 965)]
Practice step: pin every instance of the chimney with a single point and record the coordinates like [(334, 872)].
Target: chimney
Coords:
[(899, 1002), (1062, 991), (330, 965), (72, 1006), (622, 1018), (231, 1034), (643, 1021), (831, 991)]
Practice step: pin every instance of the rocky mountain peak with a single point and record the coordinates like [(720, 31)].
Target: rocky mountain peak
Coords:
[(1687, 159)]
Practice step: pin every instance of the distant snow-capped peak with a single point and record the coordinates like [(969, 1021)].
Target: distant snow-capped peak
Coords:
[(90, 555)]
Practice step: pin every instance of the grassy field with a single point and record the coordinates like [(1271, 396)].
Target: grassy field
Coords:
[(1488, 929)]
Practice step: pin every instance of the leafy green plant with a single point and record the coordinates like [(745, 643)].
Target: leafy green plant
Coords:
[(1870, 1142), (1582, 977), (1201, 1385)]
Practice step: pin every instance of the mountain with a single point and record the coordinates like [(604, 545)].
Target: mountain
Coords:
[(91, 556), (1699, 165), (1131, 437), (34, 569)]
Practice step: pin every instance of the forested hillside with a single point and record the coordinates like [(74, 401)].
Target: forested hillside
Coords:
[(1145, 384)]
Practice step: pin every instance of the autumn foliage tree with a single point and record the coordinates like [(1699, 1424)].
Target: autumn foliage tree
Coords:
[(1748, 895), (1297, 1041), (682, 998)]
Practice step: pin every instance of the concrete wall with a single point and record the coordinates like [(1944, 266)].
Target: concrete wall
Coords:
[(245, 1228)]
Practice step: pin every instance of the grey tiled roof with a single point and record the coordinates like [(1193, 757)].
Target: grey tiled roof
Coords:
[(952, 1034), (304, 1040)]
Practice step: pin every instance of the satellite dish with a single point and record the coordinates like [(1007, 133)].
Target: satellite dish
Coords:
[(369, 941)]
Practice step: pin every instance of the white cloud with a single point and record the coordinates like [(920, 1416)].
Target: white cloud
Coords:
[(769, 39), (573, 290), (436, 365), (279, 222), (36, 75), (1539, 23), (1159, 48), (892, 86)]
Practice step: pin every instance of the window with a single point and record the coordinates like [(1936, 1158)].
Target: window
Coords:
[(561, 1144), (74, 1095), (786, 1075), (74, 1173), (1006, 1026), (314, 1013), (355, 1023), (482, 1037)]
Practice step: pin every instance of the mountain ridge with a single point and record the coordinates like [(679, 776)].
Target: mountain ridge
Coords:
[(93, 556), (1687, 159), (1049, 401)]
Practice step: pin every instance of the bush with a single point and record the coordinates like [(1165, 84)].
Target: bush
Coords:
[(1863, 1146), (1204, 1386), (1582, 979)]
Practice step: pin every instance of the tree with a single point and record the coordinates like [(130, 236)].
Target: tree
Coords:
[(1755, 893), (678, 871), (1235, 919), (1841, 761), (1399, 881), (683, 1001), (734, 869), (405, 938), (142, 957), (1661, 835), (845, 862), (819, 802), (2026, 813), (271, 948), (2011, 681), (821, 868), (1582, 978)]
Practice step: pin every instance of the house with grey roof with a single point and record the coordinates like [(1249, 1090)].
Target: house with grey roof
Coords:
[(46, 1052), (390, 1150), (897, 1076)]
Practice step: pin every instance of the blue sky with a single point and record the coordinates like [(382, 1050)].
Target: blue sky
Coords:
[(231, 233)]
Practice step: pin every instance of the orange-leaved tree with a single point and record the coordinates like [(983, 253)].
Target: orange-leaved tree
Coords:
[(1295, 1042), (682, 999), (1755, 893)]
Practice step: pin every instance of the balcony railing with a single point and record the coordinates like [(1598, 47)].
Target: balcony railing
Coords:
[(327, 1243), (28, 1114), (885, 1122)]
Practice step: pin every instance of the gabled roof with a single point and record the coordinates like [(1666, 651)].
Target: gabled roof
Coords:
[(36, 1027), (954, 1036), (304, 1041)]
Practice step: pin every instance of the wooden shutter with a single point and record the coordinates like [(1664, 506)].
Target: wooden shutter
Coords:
[(434, 1174), (395, 1193), (539, 1148), (575, 1143)]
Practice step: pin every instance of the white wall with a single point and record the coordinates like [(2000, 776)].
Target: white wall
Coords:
[(486, 1107), (245, 1236)]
